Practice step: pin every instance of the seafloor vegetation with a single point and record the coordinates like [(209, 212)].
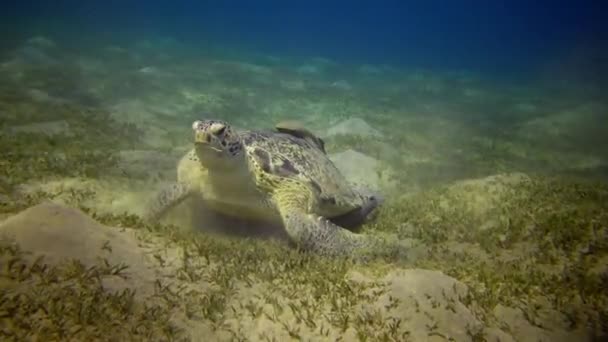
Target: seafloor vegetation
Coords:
[(501, 187)]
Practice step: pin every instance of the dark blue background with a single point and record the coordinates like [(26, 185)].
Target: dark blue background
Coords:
[(493, 35)]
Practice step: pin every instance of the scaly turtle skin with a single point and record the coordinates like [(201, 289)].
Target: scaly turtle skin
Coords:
[(281, 176)]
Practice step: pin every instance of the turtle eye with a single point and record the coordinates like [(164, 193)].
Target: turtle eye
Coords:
[(220, 131)]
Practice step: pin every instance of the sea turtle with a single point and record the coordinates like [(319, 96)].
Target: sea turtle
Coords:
[(282, 176)]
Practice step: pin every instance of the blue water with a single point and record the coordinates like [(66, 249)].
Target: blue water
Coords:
[(499, 36)]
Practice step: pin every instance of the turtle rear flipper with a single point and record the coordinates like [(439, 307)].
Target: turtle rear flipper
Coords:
[(297, 129), (167, 198), (355, 218)]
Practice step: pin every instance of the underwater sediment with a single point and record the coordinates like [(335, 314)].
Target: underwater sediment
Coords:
[(506, 214)]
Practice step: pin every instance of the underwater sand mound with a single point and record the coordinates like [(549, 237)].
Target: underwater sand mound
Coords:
[(223, 289), (362, 169), (352, 126), (62, 234)]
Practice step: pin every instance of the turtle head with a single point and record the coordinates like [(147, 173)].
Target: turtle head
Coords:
[(217, 144)]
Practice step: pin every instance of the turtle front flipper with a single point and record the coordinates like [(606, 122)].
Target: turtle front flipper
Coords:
[(166, 198), (312, 232)]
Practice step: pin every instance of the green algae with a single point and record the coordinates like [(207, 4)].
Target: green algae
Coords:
[(541, 243), (69, 302), (87, 149), (544, 238), (567, 231)]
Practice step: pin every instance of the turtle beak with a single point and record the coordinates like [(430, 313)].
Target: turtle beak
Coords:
[(203, 139), (200, 137)]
